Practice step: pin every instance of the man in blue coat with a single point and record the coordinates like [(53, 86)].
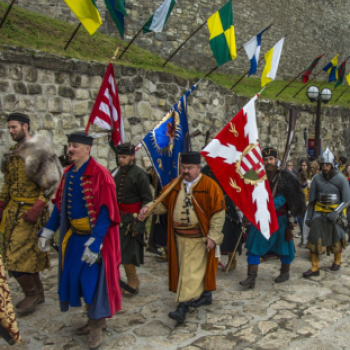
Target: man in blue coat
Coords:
[(289, 197)]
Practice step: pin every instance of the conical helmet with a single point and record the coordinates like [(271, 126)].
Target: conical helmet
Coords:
[(327, 157)]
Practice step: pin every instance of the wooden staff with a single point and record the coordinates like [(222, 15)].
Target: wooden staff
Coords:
[(241, 78), (214, 69), (342, 93), (297, 93), (291, 82), (72, 37), (132, 40), (7, 13), (179, 48), (234, 252), (161, 197)]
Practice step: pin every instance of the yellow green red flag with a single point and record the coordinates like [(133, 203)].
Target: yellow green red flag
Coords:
[(222, 34), (87, 13)]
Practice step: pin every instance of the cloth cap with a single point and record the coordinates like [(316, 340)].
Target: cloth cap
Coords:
[(270, 152), (327, 157), (190, 157), (80, 137), (126, 149), (20, 117)]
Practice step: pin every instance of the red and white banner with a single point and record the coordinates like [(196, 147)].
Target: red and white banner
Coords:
[(234, 156), (106, 111)]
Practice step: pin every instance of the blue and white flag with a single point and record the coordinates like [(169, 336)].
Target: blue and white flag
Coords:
[(252, 48), (167, 140)]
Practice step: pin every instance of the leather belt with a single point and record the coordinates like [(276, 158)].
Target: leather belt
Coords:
[(187, 231)]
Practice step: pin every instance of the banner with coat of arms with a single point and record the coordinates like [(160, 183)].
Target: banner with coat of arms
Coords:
[(167, 140), (234, 156)]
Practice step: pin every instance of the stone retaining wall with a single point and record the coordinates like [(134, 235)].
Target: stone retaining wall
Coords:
[(313, 27), (59, 93)]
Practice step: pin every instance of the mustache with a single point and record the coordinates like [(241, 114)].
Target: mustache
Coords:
[(70, 153)]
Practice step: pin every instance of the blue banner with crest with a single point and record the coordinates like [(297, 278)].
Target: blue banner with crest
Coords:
[(167, 140)]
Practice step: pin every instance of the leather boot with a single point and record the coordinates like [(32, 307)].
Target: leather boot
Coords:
[(32, 298), (336, 262), (234, 261), (204, 299), (95, 332), (40, 288), (252, 274), (179, 314), (132, 280), (284, 275), (315, 267)]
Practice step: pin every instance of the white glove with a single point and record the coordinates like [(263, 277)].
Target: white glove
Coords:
[(45, 237), (88, 256)]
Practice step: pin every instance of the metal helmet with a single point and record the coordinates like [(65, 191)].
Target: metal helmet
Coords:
[(327, 157)]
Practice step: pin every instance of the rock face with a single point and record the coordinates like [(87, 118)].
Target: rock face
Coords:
[(307, 23), (59, 99)]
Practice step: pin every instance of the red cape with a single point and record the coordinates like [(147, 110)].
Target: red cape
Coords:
[(99, 189)]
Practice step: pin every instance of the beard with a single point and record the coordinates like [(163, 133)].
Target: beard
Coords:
[(271, 171), (19, 137)]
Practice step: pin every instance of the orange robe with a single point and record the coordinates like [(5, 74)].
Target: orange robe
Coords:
[(209, 200)]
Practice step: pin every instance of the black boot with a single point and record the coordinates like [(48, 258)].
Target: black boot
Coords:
[(180, 314), (250, 280), (204, 299), (284, 275)]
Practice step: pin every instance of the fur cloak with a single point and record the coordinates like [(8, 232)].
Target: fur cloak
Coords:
[(289, 187), (41, 163)]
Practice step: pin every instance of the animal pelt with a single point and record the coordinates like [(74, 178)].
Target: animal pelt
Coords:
[(289, 187), (41, 163)]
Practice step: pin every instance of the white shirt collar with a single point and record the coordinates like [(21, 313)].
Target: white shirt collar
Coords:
[(189, 184)]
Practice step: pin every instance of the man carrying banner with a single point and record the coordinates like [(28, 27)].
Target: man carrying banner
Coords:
[(133, 192), (196, 215), (329, 196), (32, 174), (86, 211), (289, 197)]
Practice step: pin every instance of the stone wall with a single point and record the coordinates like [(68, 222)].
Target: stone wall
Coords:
[(313, 27), (59, 93)]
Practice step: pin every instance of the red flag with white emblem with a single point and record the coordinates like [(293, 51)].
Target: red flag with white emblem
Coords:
[(234, 156), (106, 112)]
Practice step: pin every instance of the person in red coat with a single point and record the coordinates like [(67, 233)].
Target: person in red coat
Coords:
[(86, 211)]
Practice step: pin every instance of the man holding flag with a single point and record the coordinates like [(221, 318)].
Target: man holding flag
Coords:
[(236, 160), (196, 215), (289, 197)]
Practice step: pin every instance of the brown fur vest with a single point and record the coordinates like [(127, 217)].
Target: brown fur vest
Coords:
[(41, 163)]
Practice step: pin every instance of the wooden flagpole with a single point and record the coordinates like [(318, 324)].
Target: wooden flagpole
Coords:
[(342, 93), (132, 40), (292, 81), (7, 13), (179, 48), (245, 74), (73, 35), (313, 78)]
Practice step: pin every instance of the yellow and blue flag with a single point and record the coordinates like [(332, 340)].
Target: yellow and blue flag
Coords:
[(222, 35), (167, 140), (331, 69), (87, 13)]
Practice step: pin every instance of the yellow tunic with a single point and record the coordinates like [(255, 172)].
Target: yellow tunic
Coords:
[(192, 252), (19, 238)]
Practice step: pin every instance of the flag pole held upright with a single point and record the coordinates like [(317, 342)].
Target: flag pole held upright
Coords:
[(7, 13), (72, 37)]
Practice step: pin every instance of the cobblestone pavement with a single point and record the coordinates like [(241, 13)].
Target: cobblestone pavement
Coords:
[(299, 314)]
